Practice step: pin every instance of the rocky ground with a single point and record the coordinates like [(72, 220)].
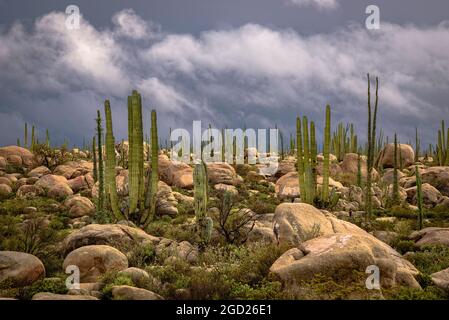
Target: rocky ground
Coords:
[(286, 249)]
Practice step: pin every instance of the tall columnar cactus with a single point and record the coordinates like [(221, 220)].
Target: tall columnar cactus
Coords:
[(200, 183), (371, 146), (281, 140), (442, 150), (359, 170), (307, 186), (419, 198), (33, 137), (292, 144), (300, 163), (111, 185), (313, 157), (25, 140), (122, 154), (100, 206), (417, 145), (151, 194), (395, 195), (326, 154), (94, 158), (135, 152), (47, 138)]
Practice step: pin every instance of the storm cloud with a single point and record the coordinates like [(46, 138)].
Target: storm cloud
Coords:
[(252, 75)]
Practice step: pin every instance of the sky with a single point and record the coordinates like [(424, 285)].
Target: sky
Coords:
[(233, 63)]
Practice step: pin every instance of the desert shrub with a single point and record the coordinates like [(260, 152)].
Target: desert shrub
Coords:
[(34, 236), (323, 287), (52, 285), (173, 228), (114, 278), (430, 259), (404, 293), (226, 272), (232, 222), (400, 211), (141, 255), (16, 206), (404, 227), (404, 246), (424, 280)]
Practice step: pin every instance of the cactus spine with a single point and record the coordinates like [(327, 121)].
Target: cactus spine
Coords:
[(204, 223), (151, 195), (111, 185), (326, 154), (100, 206), (419, 198), (371, 146)]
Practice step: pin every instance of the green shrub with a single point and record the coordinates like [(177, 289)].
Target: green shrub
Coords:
[(52, 285), (404, 246), (111, 279), (430, 259)]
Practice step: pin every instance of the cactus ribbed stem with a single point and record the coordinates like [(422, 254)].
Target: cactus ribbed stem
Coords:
[(395, 173), (326, 154), (110, 163), (25, 140), (32, 138), (94, 158), (135, 151), (313, 161), (371, 147), (151, 195), (306, 161), (419, 198), (100, 164), (300, 164), (200, 183)]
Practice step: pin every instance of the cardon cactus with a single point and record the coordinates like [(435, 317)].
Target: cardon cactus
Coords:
[(419, 198), (200, 183), (111, 185), (151, 194), (135, 152), (371, 147), (100, 164), (94, 158), (326, 154), (300, 163)]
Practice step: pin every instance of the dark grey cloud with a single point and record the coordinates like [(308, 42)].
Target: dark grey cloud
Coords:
[(231, 74)]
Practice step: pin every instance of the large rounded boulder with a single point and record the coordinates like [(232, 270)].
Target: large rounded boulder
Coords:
[(93, 261), (385, 159), (339, 256), (20, 269)]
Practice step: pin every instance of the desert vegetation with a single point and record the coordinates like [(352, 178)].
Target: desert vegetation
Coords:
[(140, 225)]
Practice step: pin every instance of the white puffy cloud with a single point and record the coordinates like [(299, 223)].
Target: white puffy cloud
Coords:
[(320, 4), (253, 75)]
